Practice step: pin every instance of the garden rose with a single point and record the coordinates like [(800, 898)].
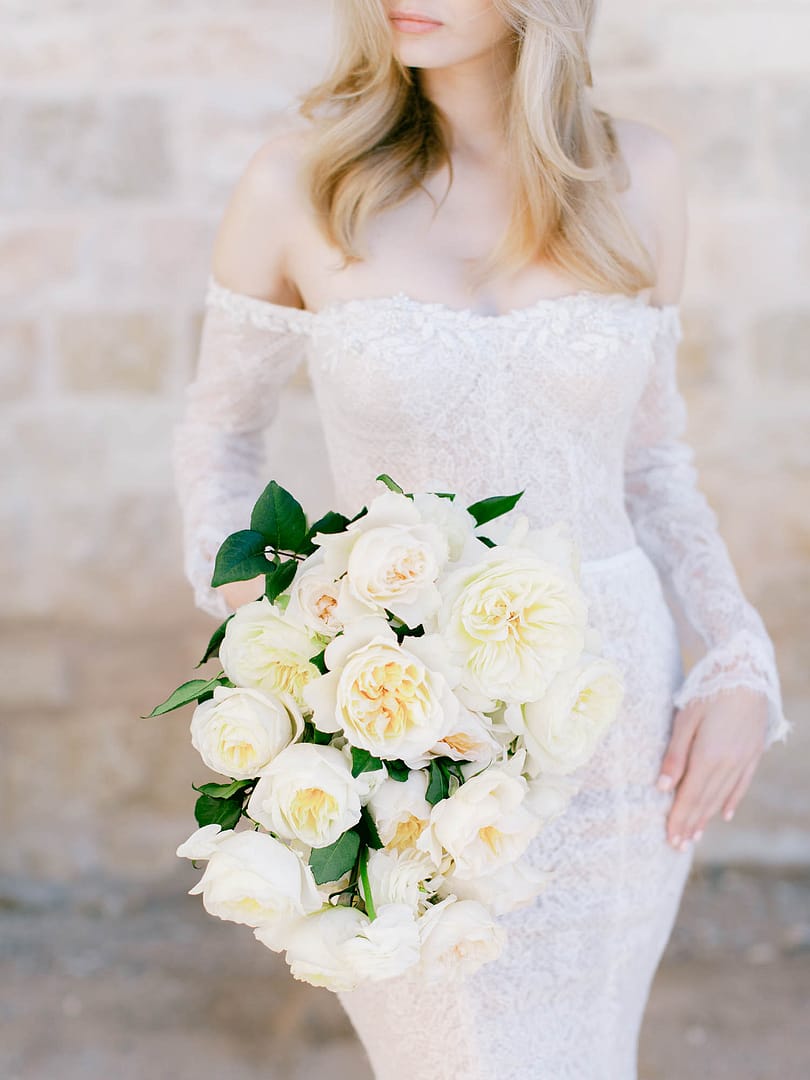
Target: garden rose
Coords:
[(313, 598), (239, 731), (458, 937), (400, 811), (307, 793), (253, 879), (263, 649)]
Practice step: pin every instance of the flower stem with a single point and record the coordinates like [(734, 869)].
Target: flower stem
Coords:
[(372, 914)]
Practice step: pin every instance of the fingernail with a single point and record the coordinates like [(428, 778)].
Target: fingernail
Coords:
[(684, 846), (729, 814), (664, 782), (698, 835), (676, 840)]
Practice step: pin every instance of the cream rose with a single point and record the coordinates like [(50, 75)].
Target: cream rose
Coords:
[(263, 649), (253, 879), (388, 559), (313, 598), (483, 825), (513, 621), (396, 878), (383, 696), (471, 739), (340, 947), (506, 889), (400, 811), (307, 793), (458, 937), (239, 731), (562, 730)]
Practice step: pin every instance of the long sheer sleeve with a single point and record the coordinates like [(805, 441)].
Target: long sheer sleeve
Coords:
[(678, 529), (248, 349)]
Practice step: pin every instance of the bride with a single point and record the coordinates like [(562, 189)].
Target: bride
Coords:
[(483, 272)]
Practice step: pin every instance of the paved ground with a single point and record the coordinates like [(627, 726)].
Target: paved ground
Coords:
[(145, 984)]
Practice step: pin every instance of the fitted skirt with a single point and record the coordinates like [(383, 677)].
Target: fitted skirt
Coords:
[(566, 998)]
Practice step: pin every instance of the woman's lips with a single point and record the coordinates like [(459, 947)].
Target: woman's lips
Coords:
[(411, 23)]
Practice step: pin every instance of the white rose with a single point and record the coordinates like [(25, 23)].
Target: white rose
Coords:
[(458, 937), (456, 524), (307, 793), (549, 795), (398, 878), (313, 598), (483, 825), (513, 621), (471, 739), (388, 559), (239, 731), (263, 649), (400, 811), (552, 543), (253, 879), (382, 695), (562, 730), (340, 947), (506, 889)]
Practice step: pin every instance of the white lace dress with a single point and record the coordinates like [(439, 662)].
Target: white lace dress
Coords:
[(576, 400)]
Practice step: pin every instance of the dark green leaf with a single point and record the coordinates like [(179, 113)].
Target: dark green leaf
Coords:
[(486, 540), (438, 783), (215, 642), (360, 513), (445, 494), (319, 662), (331, 522), (224, 812), (397, 770), (487, 509), (223, 791), (279, 517), (240, 558), (332, 862), (280, 578), (368, 830), (190, 691), (312, 735), (363, 761)]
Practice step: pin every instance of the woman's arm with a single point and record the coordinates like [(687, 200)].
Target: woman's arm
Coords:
[(247, 351), (729, 705)]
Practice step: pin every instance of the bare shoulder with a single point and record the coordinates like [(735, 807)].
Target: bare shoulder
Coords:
[(261, 217), (659, 193)]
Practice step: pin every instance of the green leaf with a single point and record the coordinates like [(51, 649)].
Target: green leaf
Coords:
[(223, 791), (312, 735), (360, 513), (368, 830), (389, 483), (279, 517), (190, 691), (240, 558), (331, 522), (445, 494), (487, 509), (319, 661), (216, 640), (397, 770), (438, 784), (224, 812), (280, 578), (332, 862), (486, 540), (363, 761)]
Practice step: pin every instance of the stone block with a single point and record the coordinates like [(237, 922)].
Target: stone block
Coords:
[(19, 356), (115, 352), (37, 262), (74, 150), (781, 347)]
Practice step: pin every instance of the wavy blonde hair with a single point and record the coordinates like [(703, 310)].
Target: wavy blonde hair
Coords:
[(377, 137)]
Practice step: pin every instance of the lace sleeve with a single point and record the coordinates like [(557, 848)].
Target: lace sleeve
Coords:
[(677, 527), (248, 349)]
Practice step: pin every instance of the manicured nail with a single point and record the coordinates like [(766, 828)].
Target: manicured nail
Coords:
[(698, 835), (664, 782), (676, 840), (729, 814), (684, 846)]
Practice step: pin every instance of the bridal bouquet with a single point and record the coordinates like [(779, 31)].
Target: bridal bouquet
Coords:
[(396, 719)]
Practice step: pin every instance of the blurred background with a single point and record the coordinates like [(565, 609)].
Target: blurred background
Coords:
[(123, 128)]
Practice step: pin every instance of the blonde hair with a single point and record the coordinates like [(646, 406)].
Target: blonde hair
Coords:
[(377, 137)]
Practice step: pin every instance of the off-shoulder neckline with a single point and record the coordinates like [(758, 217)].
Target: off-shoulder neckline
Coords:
[(303, 318)]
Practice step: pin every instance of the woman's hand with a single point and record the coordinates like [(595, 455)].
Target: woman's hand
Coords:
[(713, 753), (237, 593)]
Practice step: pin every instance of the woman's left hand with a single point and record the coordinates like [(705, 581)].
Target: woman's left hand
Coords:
[(712, 755)]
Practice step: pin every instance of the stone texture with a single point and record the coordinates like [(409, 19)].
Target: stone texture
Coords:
[(106, 352), (781, 347), (18, 359)]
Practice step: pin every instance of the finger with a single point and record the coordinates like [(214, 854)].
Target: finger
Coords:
[(740, 788), (687, 798), (673, 764), (719, 786)]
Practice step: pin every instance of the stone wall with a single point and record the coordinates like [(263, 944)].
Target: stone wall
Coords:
[(123, 128)]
